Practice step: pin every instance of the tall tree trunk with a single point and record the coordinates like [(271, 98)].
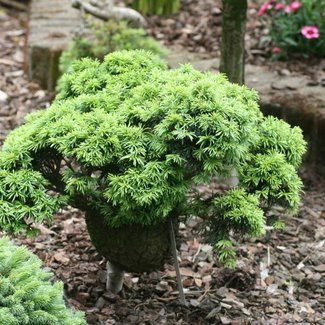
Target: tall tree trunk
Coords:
[(233, 39)]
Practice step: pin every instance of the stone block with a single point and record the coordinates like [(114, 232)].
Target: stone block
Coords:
[(43, 66), (51, 27)]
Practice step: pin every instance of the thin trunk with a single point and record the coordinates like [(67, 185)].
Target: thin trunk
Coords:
[(115, 275), (233, 40)]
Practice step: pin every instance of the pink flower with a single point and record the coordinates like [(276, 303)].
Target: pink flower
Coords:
[(264, 8), (287, 9), (310, 32), (276, 50), (279, 6), (295, 5)]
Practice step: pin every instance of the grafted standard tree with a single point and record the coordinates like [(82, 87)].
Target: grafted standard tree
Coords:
[(128, 141), (233, 40)]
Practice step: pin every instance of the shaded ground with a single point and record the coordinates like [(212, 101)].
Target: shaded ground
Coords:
[(279, 279)]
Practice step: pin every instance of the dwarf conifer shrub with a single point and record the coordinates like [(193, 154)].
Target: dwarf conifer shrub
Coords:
[(26, 295), (130, 139)]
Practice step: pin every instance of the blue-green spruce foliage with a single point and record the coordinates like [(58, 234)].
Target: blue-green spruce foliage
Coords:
[(26, 295), (132, 138)]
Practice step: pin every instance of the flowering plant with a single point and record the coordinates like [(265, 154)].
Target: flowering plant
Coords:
[(298, 27)]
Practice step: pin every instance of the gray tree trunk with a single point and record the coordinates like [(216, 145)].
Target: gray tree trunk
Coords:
[(233, 40)]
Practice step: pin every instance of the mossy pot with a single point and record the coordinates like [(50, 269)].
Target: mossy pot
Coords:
[(132, 248)]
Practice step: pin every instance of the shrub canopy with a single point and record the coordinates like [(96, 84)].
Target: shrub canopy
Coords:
[(132, 138), (26, 295)]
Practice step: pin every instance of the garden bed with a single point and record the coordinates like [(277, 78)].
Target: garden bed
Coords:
[(279, 279)]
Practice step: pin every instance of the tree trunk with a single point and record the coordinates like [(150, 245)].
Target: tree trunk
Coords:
[(233, 40)]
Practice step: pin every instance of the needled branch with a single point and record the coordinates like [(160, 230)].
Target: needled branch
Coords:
[(112, 12)]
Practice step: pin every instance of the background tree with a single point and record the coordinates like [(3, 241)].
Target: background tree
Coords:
[(233, 40)]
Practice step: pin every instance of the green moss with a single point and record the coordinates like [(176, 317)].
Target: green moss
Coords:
[(26, 295)]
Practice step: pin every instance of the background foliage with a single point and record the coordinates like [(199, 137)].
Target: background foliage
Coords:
[(26, 295), (286, 28), (104, 38), (156, 7)]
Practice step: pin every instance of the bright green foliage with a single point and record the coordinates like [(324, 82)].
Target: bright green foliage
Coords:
[(108, 37), (132, 138), (26, 295), (156, 7)]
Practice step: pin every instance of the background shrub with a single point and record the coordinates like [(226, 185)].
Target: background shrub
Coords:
[(26, 295), (107, 37), (155, 7)]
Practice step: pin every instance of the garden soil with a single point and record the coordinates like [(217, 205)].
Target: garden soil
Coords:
[(279, 278)]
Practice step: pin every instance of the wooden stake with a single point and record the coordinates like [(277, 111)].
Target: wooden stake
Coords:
[(178, 273)]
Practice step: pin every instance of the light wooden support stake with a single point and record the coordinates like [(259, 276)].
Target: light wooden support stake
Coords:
[(178, 273)]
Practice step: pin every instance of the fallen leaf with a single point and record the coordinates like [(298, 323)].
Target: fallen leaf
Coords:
[(320, 268), (194, 302), (45, 231), (8, 62), (184, 271), (3, 96), (61, 258), (198, 282), (225, 320), (188, 282)]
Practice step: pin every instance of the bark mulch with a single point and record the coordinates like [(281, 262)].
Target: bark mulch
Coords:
[(197, 28)]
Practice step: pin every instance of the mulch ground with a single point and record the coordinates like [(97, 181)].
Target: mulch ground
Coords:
[(279, 279), (197, 28)]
